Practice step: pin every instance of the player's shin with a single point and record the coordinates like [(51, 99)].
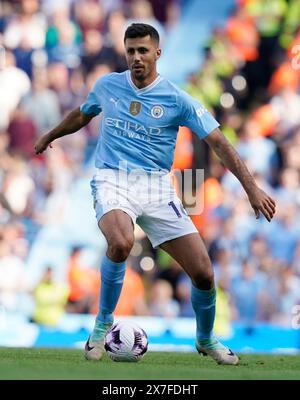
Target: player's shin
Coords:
[(204, 305), (112, 277)]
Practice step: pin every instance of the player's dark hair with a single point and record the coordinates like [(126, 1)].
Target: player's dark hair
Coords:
[(140, 31)]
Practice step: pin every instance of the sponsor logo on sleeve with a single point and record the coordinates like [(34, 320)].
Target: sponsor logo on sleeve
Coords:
[(201, 111)]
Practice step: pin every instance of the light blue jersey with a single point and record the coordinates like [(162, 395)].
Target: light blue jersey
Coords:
[(140, 126)]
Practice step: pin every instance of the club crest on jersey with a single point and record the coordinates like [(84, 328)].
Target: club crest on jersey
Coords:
[(157, 111), (135, 107)]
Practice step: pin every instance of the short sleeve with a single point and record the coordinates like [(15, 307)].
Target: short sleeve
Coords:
[(92, 105), (195, 116)]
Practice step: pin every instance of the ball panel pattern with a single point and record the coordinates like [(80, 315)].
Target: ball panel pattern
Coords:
[(126, 341)]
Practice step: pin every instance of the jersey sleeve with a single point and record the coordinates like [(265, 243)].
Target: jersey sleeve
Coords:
[(195, 116), (92, 105)]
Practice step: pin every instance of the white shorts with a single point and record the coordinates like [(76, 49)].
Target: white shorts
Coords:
[(150, 201)]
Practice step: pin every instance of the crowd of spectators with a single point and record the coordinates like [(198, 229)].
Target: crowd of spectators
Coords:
[(54, 52), (250, 81)]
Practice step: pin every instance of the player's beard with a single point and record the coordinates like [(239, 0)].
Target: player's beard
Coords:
[(140, 75)]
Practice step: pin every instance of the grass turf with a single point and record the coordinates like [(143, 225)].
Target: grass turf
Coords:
[(44, 364)]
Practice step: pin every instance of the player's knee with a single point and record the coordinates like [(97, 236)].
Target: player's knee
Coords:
[(204, 279), (120, 248)]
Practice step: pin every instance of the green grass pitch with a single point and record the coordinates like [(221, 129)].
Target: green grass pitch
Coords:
[(43, 364)]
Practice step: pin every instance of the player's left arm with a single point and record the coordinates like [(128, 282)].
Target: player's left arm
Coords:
[(258, 199)]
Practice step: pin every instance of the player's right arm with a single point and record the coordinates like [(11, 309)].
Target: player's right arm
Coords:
[(74, 121)]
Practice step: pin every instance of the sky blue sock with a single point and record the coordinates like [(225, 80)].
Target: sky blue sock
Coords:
[(112, 277), (204, 305)]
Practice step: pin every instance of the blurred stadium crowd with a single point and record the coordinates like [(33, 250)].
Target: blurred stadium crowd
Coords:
[(54, 52)]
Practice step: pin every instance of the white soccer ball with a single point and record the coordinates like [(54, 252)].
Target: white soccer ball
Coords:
[(126, 341)]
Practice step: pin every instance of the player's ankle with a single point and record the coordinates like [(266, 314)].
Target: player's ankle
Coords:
[(100, 330)]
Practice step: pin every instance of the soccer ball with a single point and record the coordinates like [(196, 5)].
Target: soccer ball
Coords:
[(126, 341)]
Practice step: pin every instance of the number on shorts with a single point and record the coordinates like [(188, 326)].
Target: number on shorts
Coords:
[(171, 203)]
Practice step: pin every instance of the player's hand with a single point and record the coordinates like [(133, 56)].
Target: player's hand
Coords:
[(263, 203), (42, 144)]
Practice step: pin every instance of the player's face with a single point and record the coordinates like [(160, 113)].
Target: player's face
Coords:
[(141, 56)]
